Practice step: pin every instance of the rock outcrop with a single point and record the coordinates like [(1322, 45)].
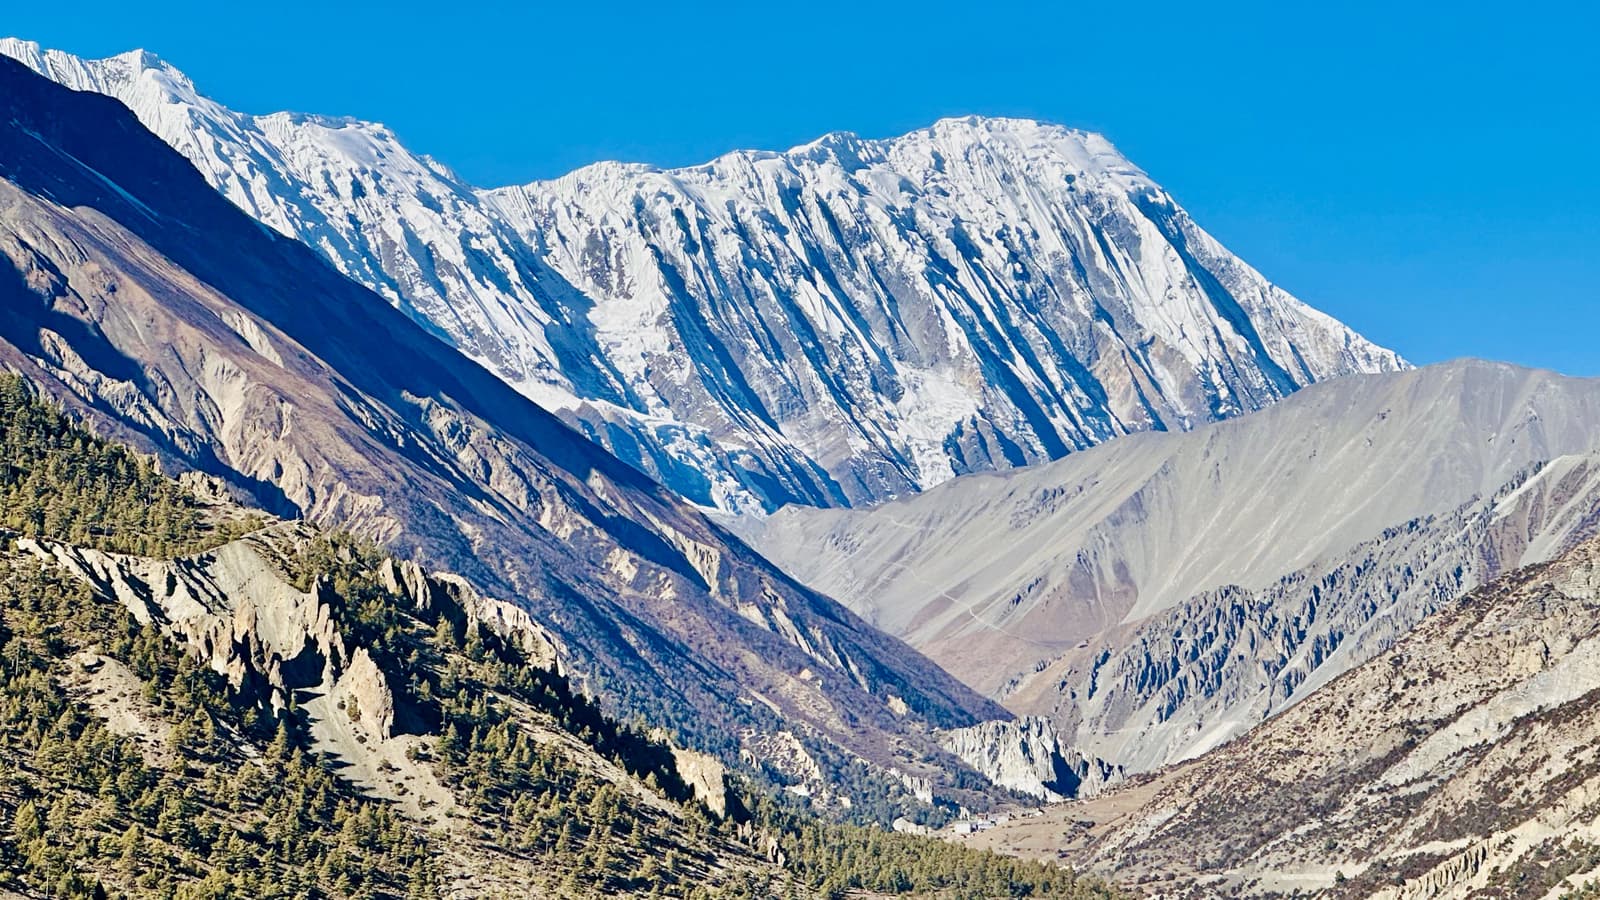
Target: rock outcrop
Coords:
[(449, 595), (232, 607), (706, 776), (364, 690), (1026, 755), (235, 609)]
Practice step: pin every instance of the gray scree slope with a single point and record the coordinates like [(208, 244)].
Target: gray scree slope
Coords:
[(1159, 594)]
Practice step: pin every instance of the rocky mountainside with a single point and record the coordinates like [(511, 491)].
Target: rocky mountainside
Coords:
[(203, 702), (1189, 679), (306, 659), (142, 300), (1157, 596), (202, 699), (1462, 762), (849, 321)]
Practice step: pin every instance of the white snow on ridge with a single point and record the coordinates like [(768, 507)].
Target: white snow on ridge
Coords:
[(844, 322)]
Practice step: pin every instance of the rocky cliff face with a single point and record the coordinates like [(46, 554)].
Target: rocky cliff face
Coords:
[(980, 294), (848, 321), (143, 301), (236, 610), (1459, 763), (1026, 755), (706, 776)]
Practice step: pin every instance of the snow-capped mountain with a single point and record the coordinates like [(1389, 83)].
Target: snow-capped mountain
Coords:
[(845, 322)]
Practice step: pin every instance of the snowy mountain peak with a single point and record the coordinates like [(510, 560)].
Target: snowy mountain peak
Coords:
[(985, 141), (847, 321), (123, 69), (1087, 153)]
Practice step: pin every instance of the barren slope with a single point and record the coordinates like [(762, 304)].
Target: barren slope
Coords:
[(1463, 762), (1158, 594)]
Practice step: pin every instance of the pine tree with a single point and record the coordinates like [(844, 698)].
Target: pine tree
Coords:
[(27, 824)]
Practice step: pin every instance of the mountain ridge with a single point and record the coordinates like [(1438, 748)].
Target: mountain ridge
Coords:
[(838, 324), (142, 300)]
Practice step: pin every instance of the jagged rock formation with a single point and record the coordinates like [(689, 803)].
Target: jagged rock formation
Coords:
[(235, 609), (1026, 756), (848, 321), (450, 595), (1157, 596), (231, 607), (706, 776), (1213, 667), (1462, 762), (140, 299)]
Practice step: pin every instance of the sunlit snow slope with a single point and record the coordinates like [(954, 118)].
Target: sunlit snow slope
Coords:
[(846, 322)]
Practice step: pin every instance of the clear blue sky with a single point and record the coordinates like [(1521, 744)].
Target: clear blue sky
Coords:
[(1428, 172)]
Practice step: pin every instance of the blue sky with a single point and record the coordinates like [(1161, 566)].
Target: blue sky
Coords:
[(1426, 172)]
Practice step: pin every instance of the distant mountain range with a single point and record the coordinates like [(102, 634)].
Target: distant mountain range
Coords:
[(1286, 613), (843, 323)]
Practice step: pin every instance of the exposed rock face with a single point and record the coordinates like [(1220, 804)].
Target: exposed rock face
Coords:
[(1026, 755), (1461, 762), (233, 608), (1160, 595), (919, 787), (453, 597), (848, 321), (706, 776), (365, 692), (141, 300)]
